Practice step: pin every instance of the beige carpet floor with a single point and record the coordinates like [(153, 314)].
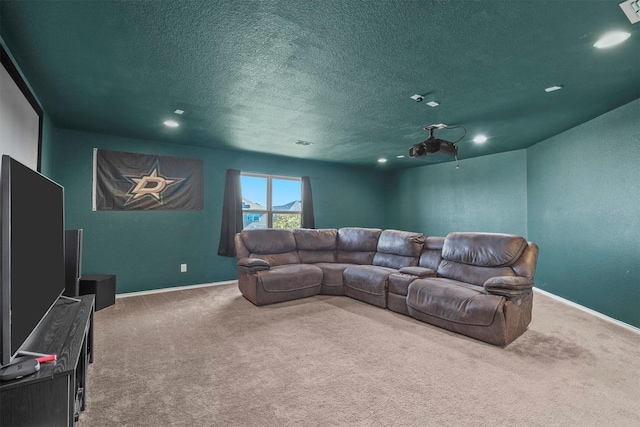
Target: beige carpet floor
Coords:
[(208, 357)]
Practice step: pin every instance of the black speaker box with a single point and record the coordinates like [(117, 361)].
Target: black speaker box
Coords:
[(72, 261), (103, 286)]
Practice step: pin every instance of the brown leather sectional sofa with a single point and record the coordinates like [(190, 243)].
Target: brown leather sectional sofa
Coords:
[(475, 284)]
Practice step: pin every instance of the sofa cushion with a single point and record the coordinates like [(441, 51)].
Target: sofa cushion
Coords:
[(526, 264), (360, 258), (432, 252), (418, 271), (453, 301), (357, 239), (357, 245), (397, 249), (404, 243), (367, 278), (278, 247), (483, 249), (332, 272), (434, 243), (254, 264), (279, 259), (268, 241), (393, 261), (309, 239), (367, 283), (399, 283), (313, 257), (241, 248), (471, 273), (316, 245), (286, 278)]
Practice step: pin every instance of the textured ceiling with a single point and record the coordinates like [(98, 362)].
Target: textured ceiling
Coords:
[(260, 75)]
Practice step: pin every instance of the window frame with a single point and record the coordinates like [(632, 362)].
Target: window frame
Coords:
[(269, 212)]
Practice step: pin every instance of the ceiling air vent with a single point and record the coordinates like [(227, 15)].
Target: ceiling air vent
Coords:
[(631, 8), (303, 143)]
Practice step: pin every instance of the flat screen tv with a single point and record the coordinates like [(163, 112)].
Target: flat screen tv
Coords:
[(32, 264)]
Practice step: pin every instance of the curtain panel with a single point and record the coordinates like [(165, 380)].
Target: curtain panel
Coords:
[(308, 220), (231, 213)]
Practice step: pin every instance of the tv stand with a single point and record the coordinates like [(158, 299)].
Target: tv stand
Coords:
[(55, 395)]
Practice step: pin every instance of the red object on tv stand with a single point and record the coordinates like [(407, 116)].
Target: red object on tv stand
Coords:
[(47, 358)]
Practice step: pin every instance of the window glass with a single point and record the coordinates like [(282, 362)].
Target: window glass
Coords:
[(287, 195), (252, 221), (286, 221), (254, 192), (271, 202)]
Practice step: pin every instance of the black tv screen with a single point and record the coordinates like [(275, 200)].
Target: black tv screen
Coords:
[(32, 264)]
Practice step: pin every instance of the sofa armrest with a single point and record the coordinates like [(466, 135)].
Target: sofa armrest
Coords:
[(417, 271), (508, 286), (254, 264)]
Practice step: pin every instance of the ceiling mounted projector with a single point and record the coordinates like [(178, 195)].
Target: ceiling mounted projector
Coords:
[(433, 145)]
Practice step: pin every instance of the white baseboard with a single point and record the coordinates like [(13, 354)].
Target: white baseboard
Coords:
[(174, 288), (590, 311)]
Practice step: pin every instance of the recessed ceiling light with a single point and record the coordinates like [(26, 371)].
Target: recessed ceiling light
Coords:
[(480, 139), (382, 160), (432, 104), (171, 123), (611, 39), (400, 157), (179, 111), (553, 88)]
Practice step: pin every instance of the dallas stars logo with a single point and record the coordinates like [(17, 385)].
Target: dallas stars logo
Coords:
[(152, 185)]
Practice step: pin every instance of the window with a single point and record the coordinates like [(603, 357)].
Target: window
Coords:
[(270, 201)]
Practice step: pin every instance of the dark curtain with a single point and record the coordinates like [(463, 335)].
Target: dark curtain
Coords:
[(231, 214), (308, 220)]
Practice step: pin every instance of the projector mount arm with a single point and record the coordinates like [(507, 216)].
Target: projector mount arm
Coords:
[(432, 128)]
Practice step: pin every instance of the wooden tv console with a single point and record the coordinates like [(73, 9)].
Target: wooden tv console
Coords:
[(55, 395)]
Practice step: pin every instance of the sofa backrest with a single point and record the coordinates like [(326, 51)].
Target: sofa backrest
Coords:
[(431, 253), (316, 245), (277, 247), (357, 245), (476, 257), (526, 264), (397, 249)]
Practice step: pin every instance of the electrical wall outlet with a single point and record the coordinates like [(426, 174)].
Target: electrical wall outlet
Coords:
[(183, 268)]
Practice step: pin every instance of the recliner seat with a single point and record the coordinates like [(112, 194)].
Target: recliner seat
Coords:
[(476, 284)]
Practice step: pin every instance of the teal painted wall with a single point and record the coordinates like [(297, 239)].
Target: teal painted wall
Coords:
[(486, 194), (46, 154), (584, 212), (577, 195), (145, 249)]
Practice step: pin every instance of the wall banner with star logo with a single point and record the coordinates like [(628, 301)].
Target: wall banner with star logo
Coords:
[(131, 181)]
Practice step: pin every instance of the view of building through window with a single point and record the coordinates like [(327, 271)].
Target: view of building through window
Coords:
[(271, 201)]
